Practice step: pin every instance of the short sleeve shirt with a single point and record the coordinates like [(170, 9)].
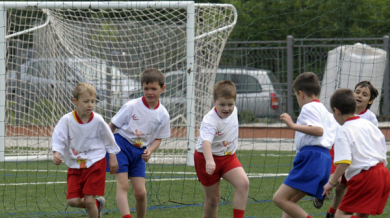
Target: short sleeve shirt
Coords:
[(369, 115), (362, 144), (315, 114), (141, 125), (221, 132)]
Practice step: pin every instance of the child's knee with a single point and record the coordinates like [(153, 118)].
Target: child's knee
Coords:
[(74, 202), (213, 200), (123, 185), (140, 194), (340, 189)]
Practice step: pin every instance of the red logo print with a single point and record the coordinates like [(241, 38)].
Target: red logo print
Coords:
[(134, 118)]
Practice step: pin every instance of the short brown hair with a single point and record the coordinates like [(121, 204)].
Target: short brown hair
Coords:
[(373, 90), (307, 83), (83, 87), (152, 75), (225, 89), (344, 100)]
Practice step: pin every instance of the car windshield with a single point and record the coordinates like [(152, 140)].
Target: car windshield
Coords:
[(244, 83)]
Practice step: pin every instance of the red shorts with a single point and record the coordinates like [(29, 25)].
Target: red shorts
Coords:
[(87, 181), (367, 192), (222, 165), (333, 167)]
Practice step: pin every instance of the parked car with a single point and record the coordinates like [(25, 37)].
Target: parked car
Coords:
[(52, 79), (116, 88), (258, 94)]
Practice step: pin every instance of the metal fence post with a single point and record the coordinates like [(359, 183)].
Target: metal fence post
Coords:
[(290, 71), (386, 78)]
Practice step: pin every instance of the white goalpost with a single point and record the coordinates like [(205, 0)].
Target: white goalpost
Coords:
[(48, 47)]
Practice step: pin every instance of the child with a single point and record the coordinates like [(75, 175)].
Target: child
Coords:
[(360, 153), (215, 155), (315, 132), (81, 138), (140, 125), (364, 93)]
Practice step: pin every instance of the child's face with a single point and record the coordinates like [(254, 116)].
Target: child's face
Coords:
[(362, 96), (224, 106), (85, 104), (152, 92)]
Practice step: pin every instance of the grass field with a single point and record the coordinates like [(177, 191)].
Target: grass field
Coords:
[(38, 189)]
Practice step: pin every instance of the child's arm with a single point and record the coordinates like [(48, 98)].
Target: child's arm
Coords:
[(340, 170), (153, 147), (208, 156), (112, 127), (310, 130), (113, 163)]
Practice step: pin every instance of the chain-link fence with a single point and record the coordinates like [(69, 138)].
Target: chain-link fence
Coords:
[(291, 57)]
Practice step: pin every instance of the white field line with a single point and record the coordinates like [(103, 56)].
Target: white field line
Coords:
[(250, 175)]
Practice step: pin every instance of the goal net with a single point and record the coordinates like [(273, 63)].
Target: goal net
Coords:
[(52, 46)]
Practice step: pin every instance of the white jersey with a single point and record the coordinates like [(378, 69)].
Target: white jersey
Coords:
[(360, 143), (81, 145), (315, 114), (221, 132), (369, 115), (141, 125)]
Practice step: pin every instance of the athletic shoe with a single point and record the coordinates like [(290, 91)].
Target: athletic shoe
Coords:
[(101, 202), (329, 215), (318, 202)]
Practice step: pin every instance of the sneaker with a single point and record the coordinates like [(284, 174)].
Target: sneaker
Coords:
[(318, 202), (101, 202), (329, 215)]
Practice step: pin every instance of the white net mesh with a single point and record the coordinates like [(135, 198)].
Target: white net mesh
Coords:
[(108, 48)]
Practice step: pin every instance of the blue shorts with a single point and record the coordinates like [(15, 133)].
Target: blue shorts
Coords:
[(311, 170), (129, 158)]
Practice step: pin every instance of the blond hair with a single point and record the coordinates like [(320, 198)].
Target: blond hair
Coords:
[(225, 89), (83, 87)]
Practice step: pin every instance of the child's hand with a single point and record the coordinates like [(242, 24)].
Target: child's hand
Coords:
[(210, 167), (327, 189), (57, 158), (287, 119), (113, 164), (146, 155)]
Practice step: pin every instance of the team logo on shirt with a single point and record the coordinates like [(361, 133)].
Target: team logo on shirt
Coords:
[(138, 143), (75, 152), (225, 143), (219, 133), (134, 118)]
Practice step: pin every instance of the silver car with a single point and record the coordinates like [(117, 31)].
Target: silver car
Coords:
[(258, 95)]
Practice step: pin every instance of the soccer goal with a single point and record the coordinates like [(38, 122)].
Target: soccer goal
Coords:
[(48, 47)]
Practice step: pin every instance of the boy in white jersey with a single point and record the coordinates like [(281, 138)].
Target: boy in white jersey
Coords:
[(81, 139), (360, 153), (139, 125), (215, 154), (364, 93), (314, 136)]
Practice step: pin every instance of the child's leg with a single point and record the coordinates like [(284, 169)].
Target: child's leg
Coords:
[(88, 202), (238, 178), (122, 188), (286, 197), (139, 190), (212, 195), (338, 195), (342, 214), (90, 205)]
